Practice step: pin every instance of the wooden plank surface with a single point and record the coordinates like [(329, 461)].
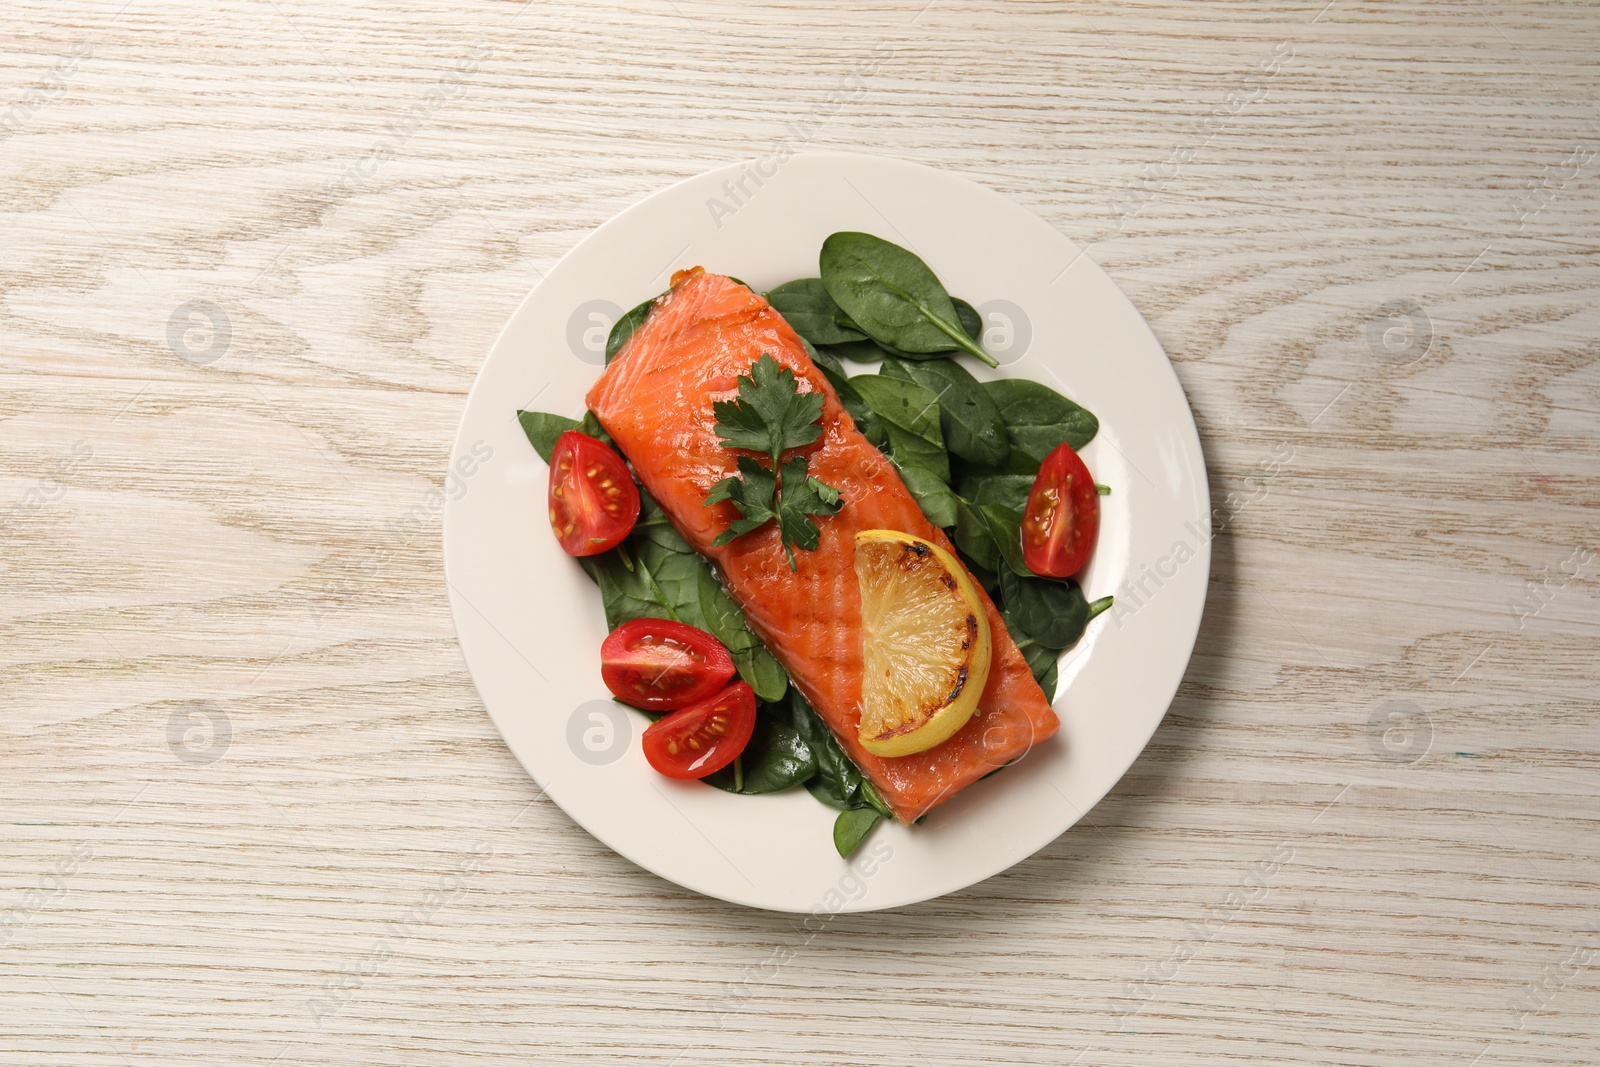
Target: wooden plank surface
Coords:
[(253, 810)]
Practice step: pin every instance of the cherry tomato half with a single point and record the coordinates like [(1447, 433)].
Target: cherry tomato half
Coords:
[(1063, 516), (705, 738), (661, 665), (593, 501)]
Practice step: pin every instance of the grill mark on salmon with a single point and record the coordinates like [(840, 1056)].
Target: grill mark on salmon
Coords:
[(655, 401)]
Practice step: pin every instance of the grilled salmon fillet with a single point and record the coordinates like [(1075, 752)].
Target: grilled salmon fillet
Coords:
[(655, 401)]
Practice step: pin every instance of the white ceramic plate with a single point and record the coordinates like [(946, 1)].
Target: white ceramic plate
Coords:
[(531, 624)]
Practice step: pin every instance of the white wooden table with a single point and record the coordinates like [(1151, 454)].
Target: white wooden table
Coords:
[(253, 252)]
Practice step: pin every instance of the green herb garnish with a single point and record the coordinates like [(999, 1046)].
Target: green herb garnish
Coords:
[(771, 417), (771, 414)]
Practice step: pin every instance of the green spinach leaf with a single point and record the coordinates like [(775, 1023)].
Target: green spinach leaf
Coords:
[(1050, 681), (672, 572), (973, 537), (626, 592), (971, 421), (903, 403), (826, 362), (591, 426), (971, 321), (1019, 462), (724, 621), (776, 757), (852, 827), (874, 799), (806, 306), (835, 790), (991, 536), (838, 780), (909, 415), (1038, 418), (1043, 662), (543, 430), (870, 351), (1053, 613), (996, 487), (934, 497), (860, 351), (624, 327), (910, 451), (653, 525), (852, 400), (892, 295)]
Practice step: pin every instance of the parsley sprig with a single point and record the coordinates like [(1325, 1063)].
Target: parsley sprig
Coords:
[(771, 417)]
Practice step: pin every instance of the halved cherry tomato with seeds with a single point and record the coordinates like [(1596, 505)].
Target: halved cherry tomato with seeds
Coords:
[(705, 738), (593, 501), (1062, 519), (660, 665)]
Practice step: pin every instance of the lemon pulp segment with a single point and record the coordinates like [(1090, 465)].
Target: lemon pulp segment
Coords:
[(925, 643)]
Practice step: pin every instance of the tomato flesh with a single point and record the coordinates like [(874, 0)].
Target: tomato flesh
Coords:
[(593, 501), (705, 738), (1062, 519), (660, 665)]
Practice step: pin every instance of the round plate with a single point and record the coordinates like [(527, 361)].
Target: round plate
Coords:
[(530, 621)]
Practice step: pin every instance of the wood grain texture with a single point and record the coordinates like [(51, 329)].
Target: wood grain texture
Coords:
[(253, 810)]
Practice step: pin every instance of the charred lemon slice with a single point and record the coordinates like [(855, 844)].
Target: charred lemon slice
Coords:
[(925, 643)]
